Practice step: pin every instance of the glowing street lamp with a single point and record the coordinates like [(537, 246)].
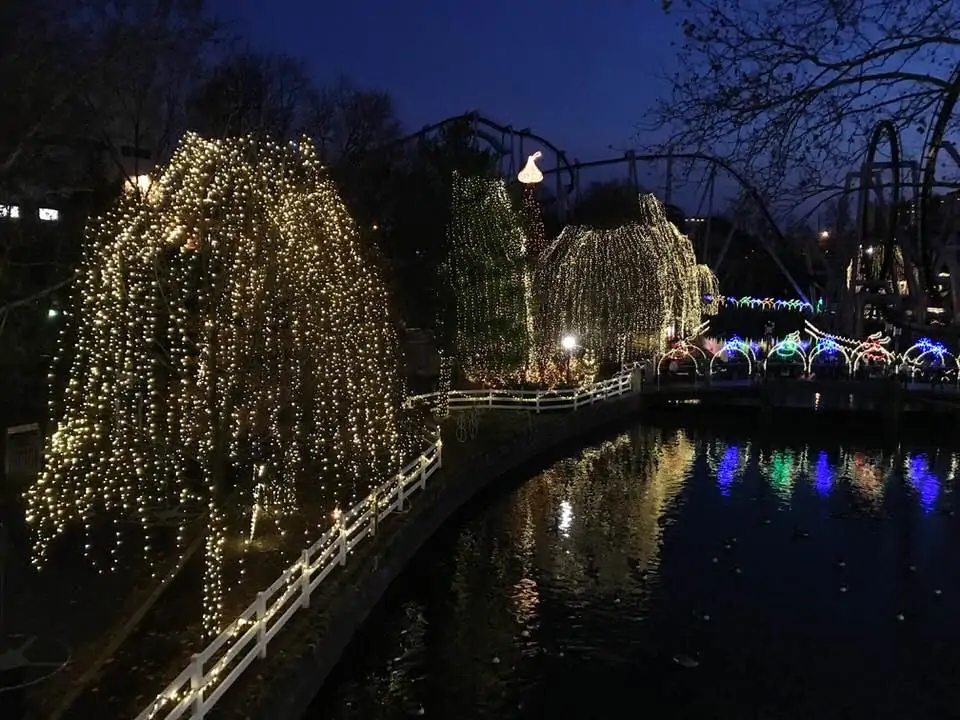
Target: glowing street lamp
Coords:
[(531, 175), (139, 183), (569, 344)]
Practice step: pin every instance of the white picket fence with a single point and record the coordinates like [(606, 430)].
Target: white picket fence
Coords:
[(535, 400), (214, 670)]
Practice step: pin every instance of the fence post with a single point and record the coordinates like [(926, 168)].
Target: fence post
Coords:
[(262, 625), (423, 472), (375, 499), (343, 536), (305, 579), (196, 686)]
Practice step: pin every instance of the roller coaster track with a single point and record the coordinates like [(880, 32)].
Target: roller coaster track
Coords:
[(511, 144), (934, 143)]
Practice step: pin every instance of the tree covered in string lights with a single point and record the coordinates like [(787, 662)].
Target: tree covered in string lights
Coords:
[(619, 289), (709, 290), (227, 321), (487, 268)]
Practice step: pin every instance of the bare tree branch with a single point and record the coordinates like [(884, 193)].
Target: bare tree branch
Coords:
[(788, 90)]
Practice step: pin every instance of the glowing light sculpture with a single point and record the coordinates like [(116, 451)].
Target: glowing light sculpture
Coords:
[(491, 282), (850, 343), (828, 347), (926, 353), (766, 304), (619, 289), (682, 350), (227, 319), (789, 350), (531, 174), (734, 346), (872, 351)]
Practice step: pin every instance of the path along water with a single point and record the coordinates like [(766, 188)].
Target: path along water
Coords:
[(680, 574)]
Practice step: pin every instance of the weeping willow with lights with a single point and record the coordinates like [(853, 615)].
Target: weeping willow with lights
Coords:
[(621, 289), (872, 261), (228, 321), (709, 290), (491, 282)]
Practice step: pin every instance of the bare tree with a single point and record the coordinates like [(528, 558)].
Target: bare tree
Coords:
[(788, 90), (266, 95), (44, 68), (158, 48), (348, 122)]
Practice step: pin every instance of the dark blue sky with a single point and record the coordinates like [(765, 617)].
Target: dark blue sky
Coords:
[(581, 74)]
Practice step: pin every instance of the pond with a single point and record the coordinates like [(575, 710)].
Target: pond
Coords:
[(679, 574)]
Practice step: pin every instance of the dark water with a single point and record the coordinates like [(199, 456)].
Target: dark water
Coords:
[(803, 582)]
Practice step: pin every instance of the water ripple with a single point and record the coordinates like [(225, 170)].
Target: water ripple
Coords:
[(684, 575)]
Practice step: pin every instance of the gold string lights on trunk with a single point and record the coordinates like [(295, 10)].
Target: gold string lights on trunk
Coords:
[(228, 322)]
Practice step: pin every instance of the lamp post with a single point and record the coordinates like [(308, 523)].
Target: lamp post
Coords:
[(569, 344)]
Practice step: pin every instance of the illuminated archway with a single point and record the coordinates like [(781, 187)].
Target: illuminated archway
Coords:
[(734, 346), (925, 353), (681, 351), (872, 351), (788, 351), (829, 347)]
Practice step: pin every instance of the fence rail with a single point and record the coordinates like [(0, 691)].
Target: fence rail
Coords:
[(535, 400), (217, 667), (212, 672)]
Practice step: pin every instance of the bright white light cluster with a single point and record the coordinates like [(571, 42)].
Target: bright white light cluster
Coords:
[(621, 288), (531, 174), (227, 317)]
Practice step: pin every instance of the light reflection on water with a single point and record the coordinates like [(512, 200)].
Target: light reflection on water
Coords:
[(783, 570)]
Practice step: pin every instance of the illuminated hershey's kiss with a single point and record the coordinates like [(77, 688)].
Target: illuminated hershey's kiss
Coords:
[(531, 175)]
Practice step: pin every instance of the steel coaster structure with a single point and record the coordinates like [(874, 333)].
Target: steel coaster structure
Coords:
[(897, 257), (895, 260), (511, 146)]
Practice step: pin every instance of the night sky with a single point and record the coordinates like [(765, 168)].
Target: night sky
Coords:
[(581, 74)]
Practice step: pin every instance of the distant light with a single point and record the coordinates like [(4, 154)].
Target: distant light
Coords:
[(53, 313), (140, 183), (869, 250), (48, 214), (566, 516), (10, 211), (568, 343), (531, 175), (375, 227), (824, 234)]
